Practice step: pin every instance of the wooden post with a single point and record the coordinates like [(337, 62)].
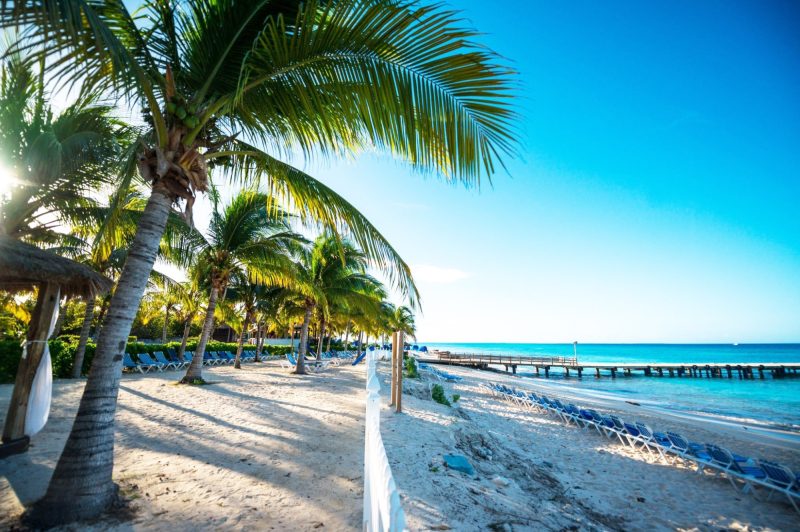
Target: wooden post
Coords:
[(399, 392), (394, 368), (38, 330)]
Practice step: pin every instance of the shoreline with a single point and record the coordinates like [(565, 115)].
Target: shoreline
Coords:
[(723, 399), (767, 433)]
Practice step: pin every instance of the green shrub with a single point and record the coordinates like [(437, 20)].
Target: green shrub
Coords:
[(411, 369), (456, 397), (10, 353), (437, 393)]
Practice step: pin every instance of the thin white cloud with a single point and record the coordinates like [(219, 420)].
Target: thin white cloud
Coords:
[(434, 274)]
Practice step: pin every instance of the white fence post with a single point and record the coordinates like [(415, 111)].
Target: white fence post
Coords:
[(382, 509)]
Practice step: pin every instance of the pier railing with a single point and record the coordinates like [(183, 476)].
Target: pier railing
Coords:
[(382, 509), (480, 359)]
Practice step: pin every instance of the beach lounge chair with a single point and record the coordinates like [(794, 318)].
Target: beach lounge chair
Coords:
[(690, 451), (146, 361), (288, 362), (736, 467), (781, 479), (130, 365), (247, 355), (226, 357), (168, 364)]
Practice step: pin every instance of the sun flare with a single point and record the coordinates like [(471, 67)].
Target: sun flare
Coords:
[(7, 180)]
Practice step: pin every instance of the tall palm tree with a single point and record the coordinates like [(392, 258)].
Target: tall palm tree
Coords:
[(229, 83), (188, 310), (252, 298), (56, 161), (334, 273), (246, 240)]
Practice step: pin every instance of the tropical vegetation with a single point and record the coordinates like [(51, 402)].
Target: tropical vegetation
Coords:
[(230, 92)]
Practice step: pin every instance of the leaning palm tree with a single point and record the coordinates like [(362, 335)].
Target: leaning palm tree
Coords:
[(246, 240), (232, 84)]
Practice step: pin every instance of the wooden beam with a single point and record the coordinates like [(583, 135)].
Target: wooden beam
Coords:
[(399, 393), (394, 368), (38, 331)]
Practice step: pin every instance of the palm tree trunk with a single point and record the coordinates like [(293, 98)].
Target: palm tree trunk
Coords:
[(259, 341), (62, 315), (321, 337), (77, 363), (81, 486), (328, 349), (302, 349), (237, 363), (164, 330), (102, 314), (195, 371), (186, 328), (291, 344), (347, 336), (358, 352)]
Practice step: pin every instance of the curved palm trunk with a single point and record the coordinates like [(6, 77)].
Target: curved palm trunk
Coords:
[(186, 328), (62, 315), (195, 371), (291, 343), (321, 337), (82, 486), (102, 314), (259, 341), (347, 336), (237, 363), (77, 362), (328, 349), (302, 349)]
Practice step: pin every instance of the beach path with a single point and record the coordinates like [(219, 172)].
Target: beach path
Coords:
[(260, 449)]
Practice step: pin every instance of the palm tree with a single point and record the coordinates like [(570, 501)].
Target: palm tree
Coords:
[(188, 310), (223, 83), (250, 297), (56, 162), (334, 273), (246, 240)]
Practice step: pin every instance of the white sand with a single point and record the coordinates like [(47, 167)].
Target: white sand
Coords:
[(259, 450), (559, 477), (263, 449)]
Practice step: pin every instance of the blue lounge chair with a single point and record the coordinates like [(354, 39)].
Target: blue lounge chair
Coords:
[(168, 364), (129, 364), (736, 467), (781, 479), (146, 361), (226, 357)]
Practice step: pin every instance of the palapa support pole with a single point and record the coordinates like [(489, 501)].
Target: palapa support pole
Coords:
[(394, 368), (399, 392), (38, 330)]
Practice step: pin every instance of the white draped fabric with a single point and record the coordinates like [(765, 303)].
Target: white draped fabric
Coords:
[(42, 389)]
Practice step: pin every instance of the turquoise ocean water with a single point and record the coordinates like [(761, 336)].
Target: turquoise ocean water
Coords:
[(776, 402)]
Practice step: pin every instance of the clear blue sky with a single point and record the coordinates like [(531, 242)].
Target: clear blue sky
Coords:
[(658, 196)]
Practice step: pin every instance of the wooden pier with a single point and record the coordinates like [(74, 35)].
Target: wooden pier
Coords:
[(753, 370)]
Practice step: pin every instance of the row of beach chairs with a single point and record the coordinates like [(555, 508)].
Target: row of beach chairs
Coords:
[(320, 363), (161, 362), (744, 473)]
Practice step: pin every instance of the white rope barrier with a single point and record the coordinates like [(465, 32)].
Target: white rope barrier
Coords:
[(382, 509)]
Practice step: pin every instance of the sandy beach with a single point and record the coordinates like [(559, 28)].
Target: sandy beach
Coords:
[(262, 449)]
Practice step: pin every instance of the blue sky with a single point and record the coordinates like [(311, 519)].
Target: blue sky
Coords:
[(656, 199)]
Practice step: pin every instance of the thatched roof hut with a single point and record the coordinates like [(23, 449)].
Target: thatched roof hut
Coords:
[(24, 267)]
